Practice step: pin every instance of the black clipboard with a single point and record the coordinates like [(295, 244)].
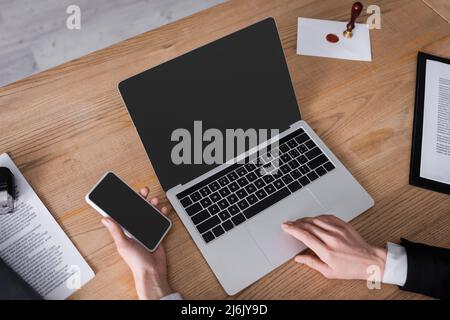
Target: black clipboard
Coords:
[(416, 150)]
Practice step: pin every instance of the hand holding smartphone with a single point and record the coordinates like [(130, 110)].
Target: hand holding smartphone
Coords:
[(112, 197)]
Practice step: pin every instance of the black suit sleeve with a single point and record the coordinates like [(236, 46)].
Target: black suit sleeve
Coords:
[(428, 270), (13, 287)]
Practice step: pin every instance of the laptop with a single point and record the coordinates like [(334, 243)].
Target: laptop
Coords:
[(233, 209)]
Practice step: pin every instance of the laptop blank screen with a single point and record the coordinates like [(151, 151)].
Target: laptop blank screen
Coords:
[(239, 81)]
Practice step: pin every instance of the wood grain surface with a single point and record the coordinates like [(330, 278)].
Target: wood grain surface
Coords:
[(66, 126)]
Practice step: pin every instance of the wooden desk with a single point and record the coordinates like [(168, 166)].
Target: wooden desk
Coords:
[(65, 127)]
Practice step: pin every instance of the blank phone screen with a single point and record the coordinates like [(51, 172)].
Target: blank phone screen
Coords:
[(130, 210)]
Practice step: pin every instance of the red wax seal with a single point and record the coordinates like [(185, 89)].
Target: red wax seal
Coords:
[(331, 37)]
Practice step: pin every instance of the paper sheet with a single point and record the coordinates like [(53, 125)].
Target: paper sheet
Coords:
[(311, 40), (435, 161), (34, 245)]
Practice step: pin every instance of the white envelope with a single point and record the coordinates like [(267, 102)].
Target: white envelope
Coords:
[(311, 40)]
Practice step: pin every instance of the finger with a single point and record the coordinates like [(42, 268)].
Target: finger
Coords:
[(332, 219), (309, 224), (144, 192), (165, 211), (314, 263), (333, 229), (116, 232), (310, 240), (154, 201)]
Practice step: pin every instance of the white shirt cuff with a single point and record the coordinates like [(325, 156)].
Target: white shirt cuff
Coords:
[(173, 296), (396, 268)]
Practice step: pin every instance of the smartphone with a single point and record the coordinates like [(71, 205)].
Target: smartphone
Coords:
[(112, 197)]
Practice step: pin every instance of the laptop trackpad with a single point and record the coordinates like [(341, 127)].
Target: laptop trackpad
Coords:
[(265, 228)]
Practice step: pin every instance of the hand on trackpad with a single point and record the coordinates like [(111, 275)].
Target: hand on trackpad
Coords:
[(277, 245)]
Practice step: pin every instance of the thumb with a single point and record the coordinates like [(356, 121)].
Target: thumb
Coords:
[(116, 232), (314, 263)]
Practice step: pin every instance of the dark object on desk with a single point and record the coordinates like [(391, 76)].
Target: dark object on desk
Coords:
[(13, 287), (7, 193), (356, 11), (415, 178), (428, 270)]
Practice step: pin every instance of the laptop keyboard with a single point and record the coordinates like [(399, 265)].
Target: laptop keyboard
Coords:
[(230, 197)]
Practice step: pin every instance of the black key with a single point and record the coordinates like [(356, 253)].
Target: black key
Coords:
[(213, 209), (311, 154), (268, 178), (238, 219), (294, 153), (277, 173), (196, 207), (294, 186), (250, 188), (304, 181), (258, 163), (206, 202), (250, 167), (208, 224), (224, 181), (292, 143), (228, 225), (224, 215), (233, 210), (294, 164), (321, 171), (196, 196), (252, 199), (241, 193), (186, 202), (232, 198), (317, 162), (278, 184), (261, 194), (243, 204), (329, 166), (214, 186), (296, 174), (259, 183), (302, 148), (223, 204), (284, 147), (218, 231), (304, 169), (232, 176), (241, 171), (215, 197), (205, 191), (287, 179), (267, 202), (208, 236), (285, 158), (224, 191), (260, 172), (233, 186), (285, 168), (270, 189), (310, 144), (312, 176), (302, 138), (243, 182), (251, 176), (200, 217), (302, 159)]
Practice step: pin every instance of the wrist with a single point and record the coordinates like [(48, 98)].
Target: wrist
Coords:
[(380, 256), (151, 286)]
